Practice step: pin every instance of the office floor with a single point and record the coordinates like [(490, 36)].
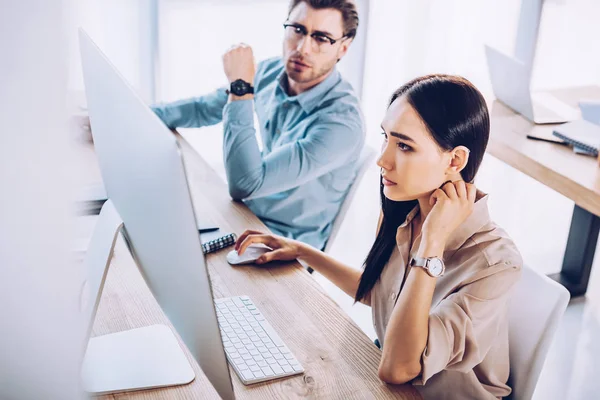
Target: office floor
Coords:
[(536, 217)]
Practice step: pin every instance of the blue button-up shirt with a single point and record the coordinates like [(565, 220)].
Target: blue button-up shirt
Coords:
[(311, 147)]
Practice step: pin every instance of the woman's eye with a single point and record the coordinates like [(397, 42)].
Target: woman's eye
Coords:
[(404, 147)]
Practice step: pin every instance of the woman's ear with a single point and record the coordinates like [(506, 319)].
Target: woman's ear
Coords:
[(459, 157)]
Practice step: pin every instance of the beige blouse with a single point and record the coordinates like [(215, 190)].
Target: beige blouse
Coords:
[(466, 356)]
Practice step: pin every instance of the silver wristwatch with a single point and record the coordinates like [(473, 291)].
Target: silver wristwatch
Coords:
[(433, 265)]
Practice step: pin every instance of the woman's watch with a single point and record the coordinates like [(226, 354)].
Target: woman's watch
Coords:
[(433, 265)]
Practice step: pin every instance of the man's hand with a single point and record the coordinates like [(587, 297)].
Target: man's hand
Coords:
[(238, 63)]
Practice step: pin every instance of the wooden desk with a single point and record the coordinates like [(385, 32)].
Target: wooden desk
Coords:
[(340, 360), (574, 176)]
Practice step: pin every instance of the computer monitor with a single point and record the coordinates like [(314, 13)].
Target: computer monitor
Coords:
[(145, 179), (511, 75)]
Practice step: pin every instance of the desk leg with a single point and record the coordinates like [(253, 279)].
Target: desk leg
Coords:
[(579, 254)]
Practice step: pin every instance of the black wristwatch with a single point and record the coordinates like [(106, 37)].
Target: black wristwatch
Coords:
[(240, 87)]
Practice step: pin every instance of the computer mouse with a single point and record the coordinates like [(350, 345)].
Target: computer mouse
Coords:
[(250, 255)]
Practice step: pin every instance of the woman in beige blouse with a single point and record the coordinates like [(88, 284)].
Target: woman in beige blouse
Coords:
[(439, 273)]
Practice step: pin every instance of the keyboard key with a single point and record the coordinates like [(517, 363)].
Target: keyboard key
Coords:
[(254, 368), (297, 368), (259, 374), (248, 375), (267, 371), (254, 352), (274, 350), (272, 361), (238, 302), (282, 362), (287, 368), (239, 346), (279, 356), (251, 362), (289, 356), (258, 358), (277, 369), (242, 367), (247, 357), (262, 363)]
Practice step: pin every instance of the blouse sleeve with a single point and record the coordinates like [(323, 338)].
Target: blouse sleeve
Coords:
[(463, 327)]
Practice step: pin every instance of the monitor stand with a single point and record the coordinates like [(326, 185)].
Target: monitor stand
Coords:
[(142, 358)]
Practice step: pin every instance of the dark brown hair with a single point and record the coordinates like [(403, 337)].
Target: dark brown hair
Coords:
[(346, 7), (455, 114)]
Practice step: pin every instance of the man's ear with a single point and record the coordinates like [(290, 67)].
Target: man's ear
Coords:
[(344, 48)]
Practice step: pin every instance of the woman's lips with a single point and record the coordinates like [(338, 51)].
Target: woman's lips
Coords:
[(387, 182)]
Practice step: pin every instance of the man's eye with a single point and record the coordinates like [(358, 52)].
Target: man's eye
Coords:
[(298, 30), (321, 39)]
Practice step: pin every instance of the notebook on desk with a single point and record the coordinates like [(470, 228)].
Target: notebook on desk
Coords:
[(581, 134), (216, 240)]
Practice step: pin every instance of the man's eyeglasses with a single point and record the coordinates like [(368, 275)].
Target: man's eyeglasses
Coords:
[(320, 41)]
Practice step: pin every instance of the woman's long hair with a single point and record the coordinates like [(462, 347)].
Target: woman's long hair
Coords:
[(455, 114)]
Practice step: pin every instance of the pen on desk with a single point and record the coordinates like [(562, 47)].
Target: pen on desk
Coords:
[(558, 141)]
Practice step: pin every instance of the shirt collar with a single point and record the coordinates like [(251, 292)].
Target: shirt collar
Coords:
[(473, 224), (310, 99)]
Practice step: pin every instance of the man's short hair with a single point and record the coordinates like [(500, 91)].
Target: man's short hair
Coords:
[(346, 7)]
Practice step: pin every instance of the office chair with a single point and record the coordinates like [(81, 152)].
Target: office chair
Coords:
[(535, 309)]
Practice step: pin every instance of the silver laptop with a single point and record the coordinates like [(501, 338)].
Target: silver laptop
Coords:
[(145, 180), (511, 75)]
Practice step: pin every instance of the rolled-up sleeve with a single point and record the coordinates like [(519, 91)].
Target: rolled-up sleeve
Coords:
[(328, 144), (463, 327), (195, 112)]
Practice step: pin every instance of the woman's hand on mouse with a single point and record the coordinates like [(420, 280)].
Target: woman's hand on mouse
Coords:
[(452, 205), (283, 249)]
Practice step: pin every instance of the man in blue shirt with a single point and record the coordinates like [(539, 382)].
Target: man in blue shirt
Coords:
[(309, 121)]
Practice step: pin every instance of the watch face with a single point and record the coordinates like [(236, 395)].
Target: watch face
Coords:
[(436, 267), (240, 87)]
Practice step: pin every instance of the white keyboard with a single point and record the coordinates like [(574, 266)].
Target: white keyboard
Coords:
[(253, 348)]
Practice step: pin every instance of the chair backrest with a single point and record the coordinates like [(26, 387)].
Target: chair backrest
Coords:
[(364, 162), (535, 310)]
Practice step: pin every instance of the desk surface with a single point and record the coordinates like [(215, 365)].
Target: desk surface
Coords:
[(340, 360), (575, 176)]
